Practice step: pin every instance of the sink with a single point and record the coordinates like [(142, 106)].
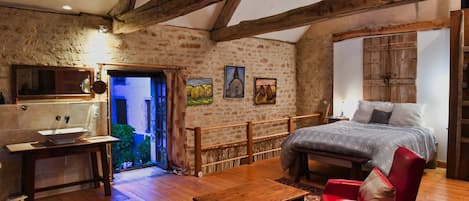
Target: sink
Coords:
[(63, 135)]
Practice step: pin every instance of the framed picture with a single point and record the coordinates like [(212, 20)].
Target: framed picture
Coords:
[(265, 90), (234, 82), (199, 91)]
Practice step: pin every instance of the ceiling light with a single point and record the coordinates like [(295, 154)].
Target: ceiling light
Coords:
[(67, 7), (103, 29)]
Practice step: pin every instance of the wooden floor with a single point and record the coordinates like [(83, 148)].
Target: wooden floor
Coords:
[(434, 187)]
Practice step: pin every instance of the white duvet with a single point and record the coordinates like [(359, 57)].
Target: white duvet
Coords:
[(375, 141)]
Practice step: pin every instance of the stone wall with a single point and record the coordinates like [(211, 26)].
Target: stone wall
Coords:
[(30, 37), (314, 57)]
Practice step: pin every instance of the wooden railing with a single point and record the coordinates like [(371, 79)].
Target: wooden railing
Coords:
[(249, 141)]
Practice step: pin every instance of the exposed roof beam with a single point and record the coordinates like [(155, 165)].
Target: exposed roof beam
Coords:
[(302, 16), (156, 11), (226, 13), (121, 7), (393, 29)]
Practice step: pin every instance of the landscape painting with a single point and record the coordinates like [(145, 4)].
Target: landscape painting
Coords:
[(199, 91), (265, 91)]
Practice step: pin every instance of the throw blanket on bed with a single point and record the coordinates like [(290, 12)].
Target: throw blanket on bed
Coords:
[(375, 141)]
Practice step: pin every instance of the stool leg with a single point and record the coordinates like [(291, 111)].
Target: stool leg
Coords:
[(94, 167), (28, 177), (105, 167)]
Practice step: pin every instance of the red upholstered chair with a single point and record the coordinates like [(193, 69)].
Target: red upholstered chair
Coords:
[(405, 175)]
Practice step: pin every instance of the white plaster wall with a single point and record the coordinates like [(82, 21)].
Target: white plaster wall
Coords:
[(348, 76), (432, 80), (433, 83)]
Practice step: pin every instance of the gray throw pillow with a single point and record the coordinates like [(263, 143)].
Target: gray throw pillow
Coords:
[(380, 117)]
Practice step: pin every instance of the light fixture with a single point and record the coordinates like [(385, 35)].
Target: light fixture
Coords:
[(67, 7), (103, 28)]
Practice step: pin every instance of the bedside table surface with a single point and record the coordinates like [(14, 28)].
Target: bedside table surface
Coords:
[(338, 117)]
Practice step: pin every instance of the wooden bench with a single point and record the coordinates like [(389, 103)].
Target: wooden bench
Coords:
[(301, 167), (263, 189)]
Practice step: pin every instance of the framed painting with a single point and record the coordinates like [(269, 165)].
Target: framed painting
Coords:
[(265, 91), (199, 91), (234, 82)]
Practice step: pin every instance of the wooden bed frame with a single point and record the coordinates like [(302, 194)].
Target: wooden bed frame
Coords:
[(357, 164), (302, 169)]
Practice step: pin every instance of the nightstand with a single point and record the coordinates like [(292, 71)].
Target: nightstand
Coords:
[(332, 119)]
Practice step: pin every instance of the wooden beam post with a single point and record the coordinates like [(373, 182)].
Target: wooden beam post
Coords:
[(225, 15), (455, 93), (392, 29), (198, 151), (154, 12), (306, 15), (121, 7), (250, 142)]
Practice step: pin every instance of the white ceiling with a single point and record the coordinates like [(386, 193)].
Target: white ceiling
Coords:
[(97, 7), (200, 19)]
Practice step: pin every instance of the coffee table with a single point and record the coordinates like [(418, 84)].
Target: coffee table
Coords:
[(263, 189)]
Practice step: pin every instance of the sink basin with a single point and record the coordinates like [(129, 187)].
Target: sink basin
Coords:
[(63, 135)]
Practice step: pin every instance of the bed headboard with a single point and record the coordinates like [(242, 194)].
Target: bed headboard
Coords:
[(390, 68)]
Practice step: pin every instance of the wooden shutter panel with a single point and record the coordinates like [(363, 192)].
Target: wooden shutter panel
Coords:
[(390, 68)]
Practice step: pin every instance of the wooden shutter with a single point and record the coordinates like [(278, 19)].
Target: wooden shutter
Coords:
[(390, 68)]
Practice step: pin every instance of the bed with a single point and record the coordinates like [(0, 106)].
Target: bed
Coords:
[(375, 142)]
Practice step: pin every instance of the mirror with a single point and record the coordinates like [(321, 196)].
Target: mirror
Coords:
[(46, 82)]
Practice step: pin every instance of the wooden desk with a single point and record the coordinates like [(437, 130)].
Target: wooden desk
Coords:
[(33, 151), (264, 189)]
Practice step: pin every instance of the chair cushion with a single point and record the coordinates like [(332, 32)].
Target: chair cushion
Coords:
[(376, 187)]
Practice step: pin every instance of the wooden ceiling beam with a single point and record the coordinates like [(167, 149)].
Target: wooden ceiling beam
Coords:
[(302, 16), (393, 29), (156, 11), (121, 7), (226, 13)]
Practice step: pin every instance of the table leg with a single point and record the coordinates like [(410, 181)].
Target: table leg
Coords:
[(28, 171), (105, 167), (94, 167)]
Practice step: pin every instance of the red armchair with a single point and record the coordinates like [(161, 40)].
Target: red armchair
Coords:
[(405, 175)]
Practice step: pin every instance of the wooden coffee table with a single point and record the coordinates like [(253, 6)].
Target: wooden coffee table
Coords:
[(265, 190)]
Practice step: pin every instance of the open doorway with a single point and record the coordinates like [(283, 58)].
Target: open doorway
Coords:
[(138, 118)]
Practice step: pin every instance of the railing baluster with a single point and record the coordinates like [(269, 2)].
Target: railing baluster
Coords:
[(250, 144), (198, 151), (249, 139), (291, 124)]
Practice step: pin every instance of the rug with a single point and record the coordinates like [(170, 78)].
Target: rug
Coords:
[(314, 192)]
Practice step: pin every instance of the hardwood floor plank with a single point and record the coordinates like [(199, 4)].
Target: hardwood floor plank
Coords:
[(434, 187)]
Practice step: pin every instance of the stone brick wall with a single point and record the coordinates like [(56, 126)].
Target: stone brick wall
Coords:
[(29, 37)]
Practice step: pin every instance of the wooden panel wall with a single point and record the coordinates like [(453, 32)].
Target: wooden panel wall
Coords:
[(390, 68)]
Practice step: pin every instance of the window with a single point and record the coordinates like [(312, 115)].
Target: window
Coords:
[(121, 106), (119, 80)]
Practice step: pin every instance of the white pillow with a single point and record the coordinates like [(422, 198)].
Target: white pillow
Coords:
[(407, 114), (365, 108)]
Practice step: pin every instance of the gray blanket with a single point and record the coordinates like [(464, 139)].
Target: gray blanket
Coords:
[(375, 141)]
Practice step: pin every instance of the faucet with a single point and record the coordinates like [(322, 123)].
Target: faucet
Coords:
[(67, 118)]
